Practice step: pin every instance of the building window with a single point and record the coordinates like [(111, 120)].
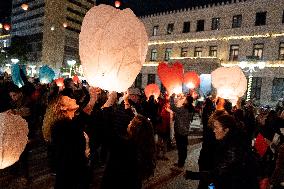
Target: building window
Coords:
[(138, 81), (183, 52), (281, 51), (197, 51), (155, 30), (277, 88), (256, 88), (283, 17), (234, 53), (215, 24), (213, 51), (170, 28), (151, 78), (200, 25), (260, 18), (168, 53), (186, 27), (237, 21), (258, 51), (154, 54)]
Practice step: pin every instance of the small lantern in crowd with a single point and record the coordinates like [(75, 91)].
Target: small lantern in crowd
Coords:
[(152, 89), (230, 82), (191, 80), (25, 6), (76, 79), (13, 138), (171, 77), (117, 4), (59, 82), (112, 46)]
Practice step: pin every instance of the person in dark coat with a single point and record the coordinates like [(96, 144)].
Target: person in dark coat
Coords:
[(182, 117), (234, 165), (69, 144), (132, 159)]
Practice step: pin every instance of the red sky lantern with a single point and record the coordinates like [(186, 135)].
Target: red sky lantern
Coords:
[(117, 4), (152, 89), (7, 27), (171, 77), (76, 79), (59, 82), (25, 6), (191, 80)]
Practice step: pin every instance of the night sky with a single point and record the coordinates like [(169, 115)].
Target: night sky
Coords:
[(140, 7), (5, 10)]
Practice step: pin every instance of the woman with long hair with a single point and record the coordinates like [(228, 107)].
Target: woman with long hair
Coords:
[(67, 142)]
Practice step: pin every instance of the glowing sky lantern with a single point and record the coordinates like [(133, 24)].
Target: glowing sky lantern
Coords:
[(113, 45), (171, 77), (191, 80), (152, 89), (13, 138), (65, 25), (59, 82), (117, 4), (230, 82), (46, 74), (7, 27), (76, 79), (25, 6)]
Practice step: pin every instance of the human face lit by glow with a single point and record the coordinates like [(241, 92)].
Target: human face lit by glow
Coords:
[(219, 131), (68, 106)]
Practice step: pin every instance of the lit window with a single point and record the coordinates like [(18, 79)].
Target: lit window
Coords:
[(258, 51), (281, 51), (234, 53), (213, 51), (155, 30), (168, 53), (154, 54), (198, 52)]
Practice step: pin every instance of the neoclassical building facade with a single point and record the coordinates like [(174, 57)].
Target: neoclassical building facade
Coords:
[(249, 33)]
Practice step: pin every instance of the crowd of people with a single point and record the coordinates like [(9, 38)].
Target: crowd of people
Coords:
[(86, 127)]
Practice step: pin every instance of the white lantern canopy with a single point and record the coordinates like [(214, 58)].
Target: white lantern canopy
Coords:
[(113, 46), (13, 138), (230, 82)]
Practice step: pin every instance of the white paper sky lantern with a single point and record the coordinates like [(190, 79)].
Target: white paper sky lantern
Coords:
[(13, 138), (230, 82), (112, 46)]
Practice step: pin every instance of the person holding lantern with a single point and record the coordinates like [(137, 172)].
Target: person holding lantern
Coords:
[(69, 144), (234, 164), (182, 117)]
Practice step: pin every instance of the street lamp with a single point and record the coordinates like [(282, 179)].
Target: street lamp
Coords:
[(14, 60), (250, 67), (71, 63)]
